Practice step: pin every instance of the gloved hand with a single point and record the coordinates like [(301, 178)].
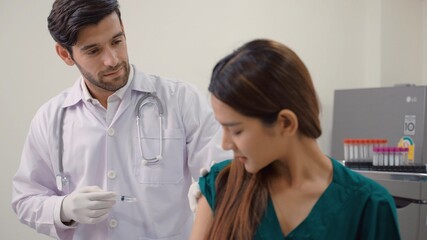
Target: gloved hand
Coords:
[(194, 192), (87, 205)]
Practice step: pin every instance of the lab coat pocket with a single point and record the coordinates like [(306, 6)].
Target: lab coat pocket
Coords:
[(169, 169)]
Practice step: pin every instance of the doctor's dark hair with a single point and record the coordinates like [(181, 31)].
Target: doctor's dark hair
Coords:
[(258, 80), (68, 17)]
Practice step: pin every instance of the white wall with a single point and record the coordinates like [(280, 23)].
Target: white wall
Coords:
[(401, 48), (424, 20), (345, 44)]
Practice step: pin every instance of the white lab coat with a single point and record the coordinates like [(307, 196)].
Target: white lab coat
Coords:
[(107, 155)]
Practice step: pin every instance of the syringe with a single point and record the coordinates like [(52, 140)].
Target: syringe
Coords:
[(128, 199)]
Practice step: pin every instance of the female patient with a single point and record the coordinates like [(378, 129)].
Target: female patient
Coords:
[(280, 185)]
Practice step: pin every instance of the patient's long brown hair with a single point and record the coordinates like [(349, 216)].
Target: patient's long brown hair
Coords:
[(258, 80)]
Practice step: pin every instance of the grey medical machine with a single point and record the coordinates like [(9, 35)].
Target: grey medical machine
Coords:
[(398, 114)]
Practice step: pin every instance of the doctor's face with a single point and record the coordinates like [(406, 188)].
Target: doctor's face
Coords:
[(253, 143), (101, 55)]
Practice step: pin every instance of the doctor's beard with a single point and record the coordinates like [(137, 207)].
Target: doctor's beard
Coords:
[(111, 85)]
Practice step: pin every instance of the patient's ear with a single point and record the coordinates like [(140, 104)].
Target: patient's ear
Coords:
[(287, 122), (64, 54)]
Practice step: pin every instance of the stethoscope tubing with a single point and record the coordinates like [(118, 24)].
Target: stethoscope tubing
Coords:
[(62, 179), (159, 106)]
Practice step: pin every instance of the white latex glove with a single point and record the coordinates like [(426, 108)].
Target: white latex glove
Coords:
[(87, 205), (194, 192)]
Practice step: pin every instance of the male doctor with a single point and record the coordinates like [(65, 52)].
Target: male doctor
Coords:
[(92, 127)]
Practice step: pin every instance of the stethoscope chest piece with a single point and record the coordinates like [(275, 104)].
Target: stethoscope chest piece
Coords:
[(62, 182)]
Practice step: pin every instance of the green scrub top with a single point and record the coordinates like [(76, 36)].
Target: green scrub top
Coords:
[(352, 207)]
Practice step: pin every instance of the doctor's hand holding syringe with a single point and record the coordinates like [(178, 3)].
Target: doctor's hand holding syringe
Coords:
[(90, 205)]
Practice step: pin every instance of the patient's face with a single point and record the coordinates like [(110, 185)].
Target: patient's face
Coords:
[(253, 143)]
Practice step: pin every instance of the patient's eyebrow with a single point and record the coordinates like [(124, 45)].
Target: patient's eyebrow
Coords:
[(230, 124)]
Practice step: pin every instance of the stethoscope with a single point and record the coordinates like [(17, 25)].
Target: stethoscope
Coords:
[(139, 105), (62, 179)]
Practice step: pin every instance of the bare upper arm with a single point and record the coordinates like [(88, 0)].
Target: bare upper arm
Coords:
[(203, 220)]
